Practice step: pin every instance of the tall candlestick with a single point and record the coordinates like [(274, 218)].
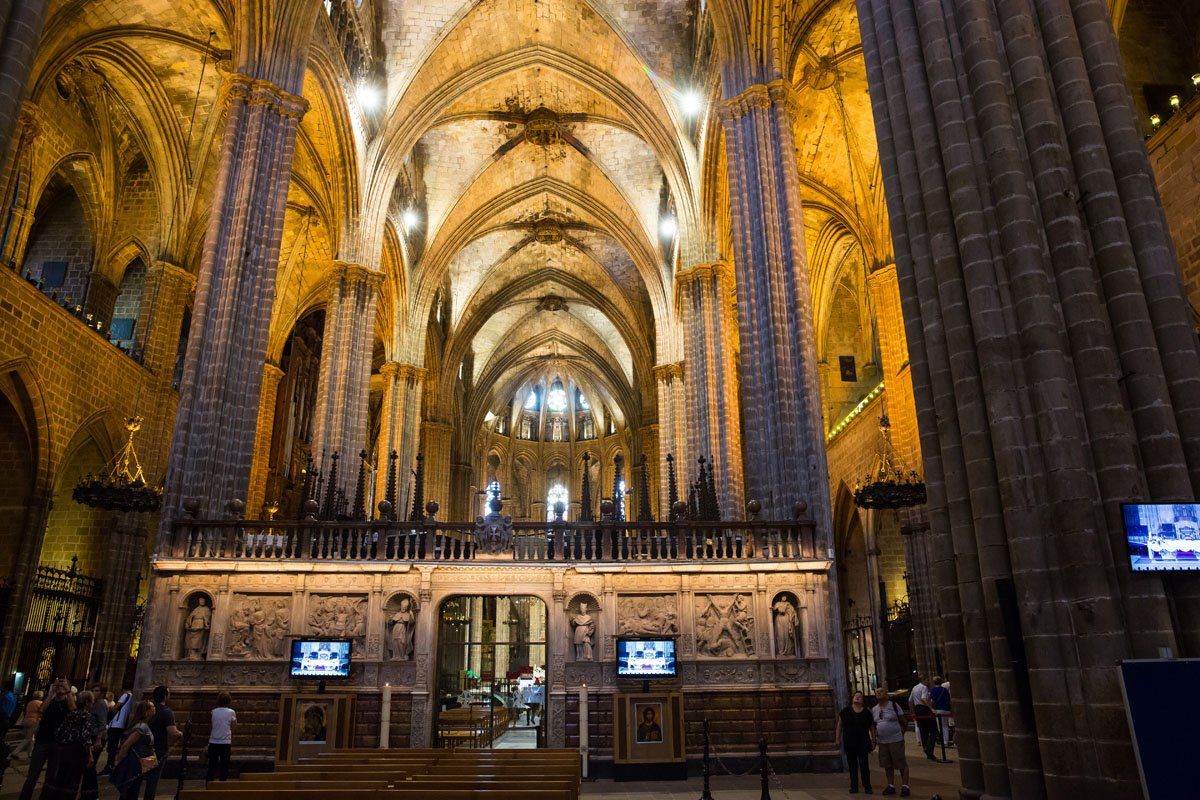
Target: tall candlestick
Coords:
[(583, 727)]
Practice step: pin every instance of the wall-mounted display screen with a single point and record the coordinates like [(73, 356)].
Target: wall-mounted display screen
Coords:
[(1163, 536), (320, 658), (646, 658)]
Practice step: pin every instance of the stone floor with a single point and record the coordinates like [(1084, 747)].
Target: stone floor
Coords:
[(929, 780)]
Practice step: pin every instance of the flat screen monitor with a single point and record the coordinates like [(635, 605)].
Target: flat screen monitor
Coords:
[(1163, 537), (644, 659), (325, 659)]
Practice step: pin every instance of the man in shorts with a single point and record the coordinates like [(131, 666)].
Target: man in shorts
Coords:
[(889, 735)]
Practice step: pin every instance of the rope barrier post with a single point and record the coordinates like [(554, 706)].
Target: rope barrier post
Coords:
[(763, 769), (942, 734), (183, 754), (707, 771)]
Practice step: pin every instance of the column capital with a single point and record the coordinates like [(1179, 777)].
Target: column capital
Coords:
[(172, 270), (756, 96), (255, 92), (663, 373), (30, 120), (402, 371), (349, 271), (704, 271), (272, 372)]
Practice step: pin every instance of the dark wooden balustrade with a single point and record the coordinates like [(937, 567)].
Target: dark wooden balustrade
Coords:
[(250, 540)]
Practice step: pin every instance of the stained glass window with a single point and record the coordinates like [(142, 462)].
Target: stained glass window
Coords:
[(557, 494)]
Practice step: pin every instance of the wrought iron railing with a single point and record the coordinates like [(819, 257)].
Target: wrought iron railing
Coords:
[(383, 540)]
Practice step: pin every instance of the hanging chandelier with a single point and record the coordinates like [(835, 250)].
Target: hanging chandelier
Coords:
[(891, 487), (123, 486)]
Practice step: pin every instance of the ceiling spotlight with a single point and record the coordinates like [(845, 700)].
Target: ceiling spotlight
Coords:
[(667, 227), (410, 219), (691, 103), (369, 96)]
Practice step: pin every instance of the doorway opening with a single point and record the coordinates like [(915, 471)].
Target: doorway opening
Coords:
[(491, 672)]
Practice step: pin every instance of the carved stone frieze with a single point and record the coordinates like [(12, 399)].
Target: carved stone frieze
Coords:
[(398, 673), (591, 673), (258, 626), (728, 674), (724, 625), (338, 616), (648, 615)]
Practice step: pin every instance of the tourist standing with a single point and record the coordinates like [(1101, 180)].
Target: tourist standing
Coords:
[(8, 715), (165, 735), (856, 734), (939, 695), (921, 704), (135, 757), (61, 703), (220, 739), (116, 728), (29, 723), (75, 743), (889, 736), (90, 786)]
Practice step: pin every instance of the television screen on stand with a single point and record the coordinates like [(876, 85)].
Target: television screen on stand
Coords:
[(646, 659), (1162, 537), (321, 659)]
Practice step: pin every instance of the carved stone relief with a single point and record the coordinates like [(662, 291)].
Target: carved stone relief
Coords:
[(400, 616), (582, 614), (785, 616), (648, 615), (724, 625), (338, 616), (258, 626), (197, 625)]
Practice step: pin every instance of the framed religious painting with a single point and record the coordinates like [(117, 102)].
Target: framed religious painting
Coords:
[(648, 729), (313, 722)]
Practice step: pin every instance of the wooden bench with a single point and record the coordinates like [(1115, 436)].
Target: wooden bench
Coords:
[(416, 792)]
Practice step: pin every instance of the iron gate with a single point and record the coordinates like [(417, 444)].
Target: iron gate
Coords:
[(899, 646), (859, 637), (60, 627)]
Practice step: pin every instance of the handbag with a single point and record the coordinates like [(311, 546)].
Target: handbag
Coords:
[(148, 762)]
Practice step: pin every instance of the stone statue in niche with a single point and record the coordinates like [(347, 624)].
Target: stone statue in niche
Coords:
[(257, 628), (196, 628), (557, 426), (338, 617), (583, 629), (787, 624), (647, 615), (724, 626), (521, 496), (402, 627)]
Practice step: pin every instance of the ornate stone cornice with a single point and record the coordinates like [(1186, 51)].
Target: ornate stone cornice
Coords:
[(404, 372), (254, 92), (758, 96), (665, 372)]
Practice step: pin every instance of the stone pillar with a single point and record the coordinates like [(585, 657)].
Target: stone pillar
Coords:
[(672, 430), (165, 298), (884, 289), (101, 298), (124, 559), (24, 567), (213, 444), (778, 354), (344, 386), (1054, 367), (399, 429), (21, 24), (435, 446), (704, 297), (256, 495)]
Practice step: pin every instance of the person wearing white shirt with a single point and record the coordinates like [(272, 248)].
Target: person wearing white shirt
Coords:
[(921, 704), (220, 739), (116, 728)]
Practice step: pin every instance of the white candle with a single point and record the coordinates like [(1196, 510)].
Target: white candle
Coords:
[(583, 727), (385, 717)]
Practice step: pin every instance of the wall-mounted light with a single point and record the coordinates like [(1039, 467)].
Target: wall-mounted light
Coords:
[(410, 218), (691, 103), (369, 96), (1174, 101), (1196, 81), (1155, 121), (667, 227)]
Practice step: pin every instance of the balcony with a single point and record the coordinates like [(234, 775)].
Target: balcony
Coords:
[(383, 541)]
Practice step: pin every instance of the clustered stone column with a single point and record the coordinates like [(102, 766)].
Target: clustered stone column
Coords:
[(213, 445), (436, 440), (256, 494), (1055, 370), (400, 427), (114, 622), (785, 432), (21, 24), (672, 429), (344, 385), (704, 297)]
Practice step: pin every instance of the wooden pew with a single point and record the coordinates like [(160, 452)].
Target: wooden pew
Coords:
[(417, 792)]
